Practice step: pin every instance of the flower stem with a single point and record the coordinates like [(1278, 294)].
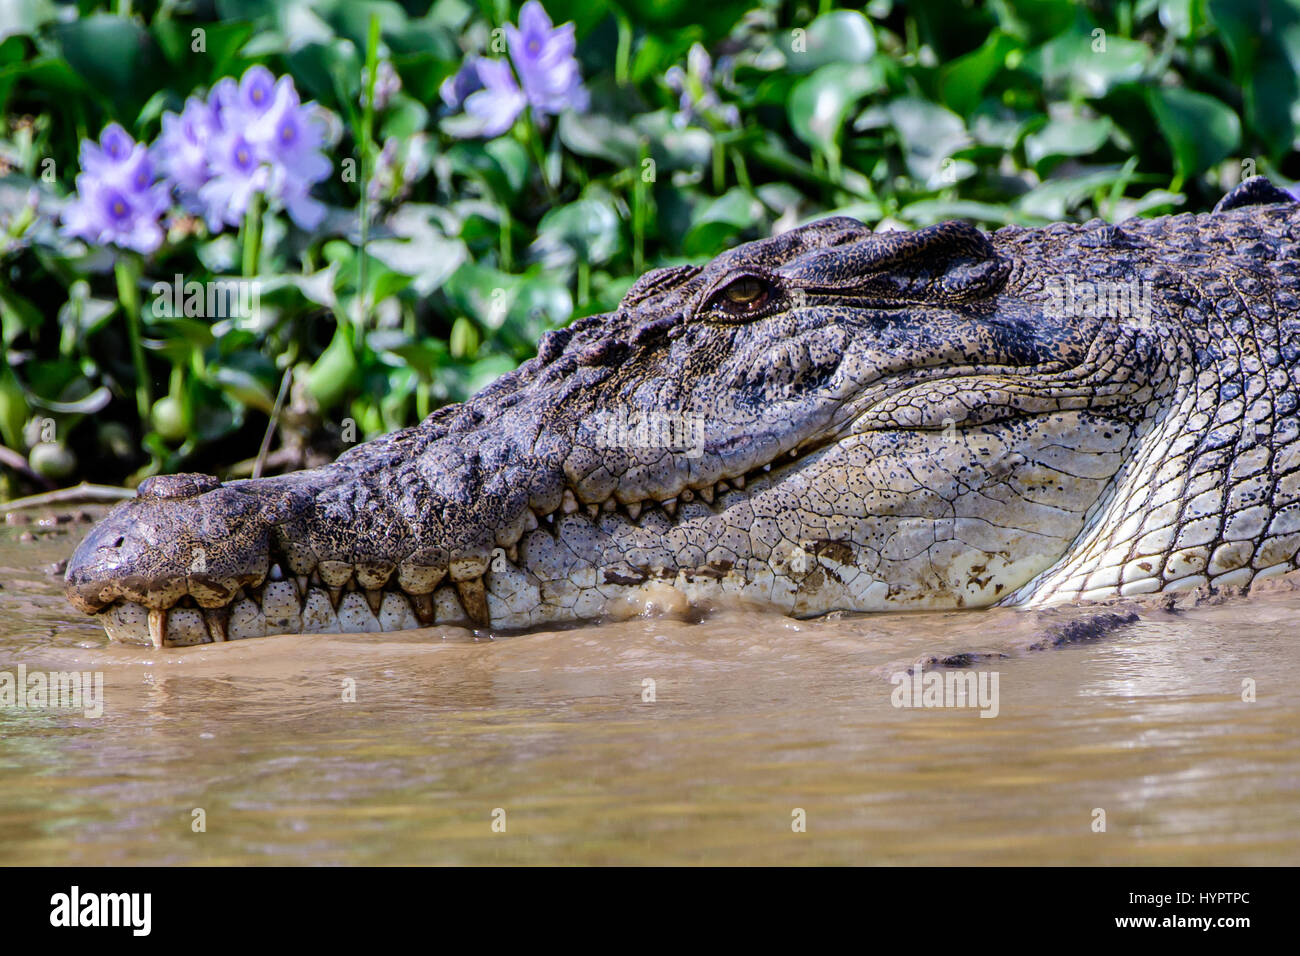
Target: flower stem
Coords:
[(366, 148), (127, 272), (252, 235), (623, 53), (584, 283), (639, 187), (539, 152)]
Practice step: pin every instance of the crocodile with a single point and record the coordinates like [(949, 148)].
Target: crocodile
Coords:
[(833, 418)]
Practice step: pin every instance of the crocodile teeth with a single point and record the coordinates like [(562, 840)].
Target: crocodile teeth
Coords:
[(422, 604), (530, 521), (669, 506), (375, 598), (768, 466), (216, 618), (512, 554), (687, 495), (707, 495), (722, 488), (473, 598), (738, 482), (276, 573), (336, 594), (157, 626), (634, 511), (609, 504), (569, 504), (303, 581), (593, 511)]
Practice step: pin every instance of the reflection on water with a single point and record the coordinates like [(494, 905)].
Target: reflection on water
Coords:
[(752, 718)]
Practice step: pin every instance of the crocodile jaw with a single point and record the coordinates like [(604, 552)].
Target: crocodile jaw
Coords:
[(921, 520)]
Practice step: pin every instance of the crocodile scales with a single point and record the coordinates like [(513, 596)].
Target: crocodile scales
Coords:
[(836, 419)]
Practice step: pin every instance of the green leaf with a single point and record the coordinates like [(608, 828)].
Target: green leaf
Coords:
[(584, 231), (335, 372), (929, 133), (328, 72), (502, 165), (1199, 129), (841, 36), (24, 17), (1067, 137), (17, 315), (1182, 17), (962, 81), (820, 102), (1087, 64), (91, 403), (1051, 201), (1263, 43), (13, 409), (115, 56), (717, 221), (419, 249), (600, 136)]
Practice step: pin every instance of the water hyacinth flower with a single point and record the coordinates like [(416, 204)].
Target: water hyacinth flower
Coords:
[(387, 84), (237, 173), (288, 138), (251, 136), (549, 80), (456, 88), (118, 199), (182, 149), (498, 104), (697, 99), (543, 57)]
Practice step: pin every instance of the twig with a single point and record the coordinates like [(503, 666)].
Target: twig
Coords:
[(77, 493), (270, 425), (283, 456), (12, 460)]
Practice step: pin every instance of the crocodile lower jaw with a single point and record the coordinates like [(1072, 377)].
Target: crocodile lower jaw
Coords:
[(305, 604)]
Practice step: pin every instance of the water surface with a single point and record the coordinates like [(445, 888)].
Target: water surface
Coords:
[(754, 718)]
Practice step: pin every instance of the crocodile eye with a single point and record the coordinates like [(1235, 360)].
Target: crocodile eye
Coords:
[(744, 296)]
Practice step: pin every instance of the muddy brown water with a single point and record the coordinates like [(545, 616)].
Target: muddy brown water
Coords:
[(757, 723)]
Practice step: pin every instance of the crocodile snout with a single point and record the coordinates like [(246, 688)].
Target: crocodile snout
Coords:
[(183, 538)]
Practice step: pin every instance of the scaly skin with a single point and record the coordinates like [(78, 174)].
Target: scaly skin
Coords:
[(864, 422)]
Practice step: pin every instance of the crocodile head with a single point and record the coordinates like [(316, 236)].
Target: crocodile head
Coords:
[(827, 419)]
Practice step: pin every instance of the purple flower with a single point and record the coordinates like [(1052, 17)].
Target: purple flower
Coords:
[(499, 103), (543, 56), (457, 87), (257, 136), (255, 93), (182, 149), (549, 80), (114, 148), (118, 200), (387, 84), (698, 100), (237, 173)]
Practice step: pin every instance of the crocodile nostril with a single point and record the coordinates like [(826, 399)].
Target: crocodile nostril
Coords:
[(118, 543)]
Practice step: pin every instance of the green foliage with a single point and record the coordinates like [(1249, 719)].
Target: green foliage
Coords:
[(441, 260)]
